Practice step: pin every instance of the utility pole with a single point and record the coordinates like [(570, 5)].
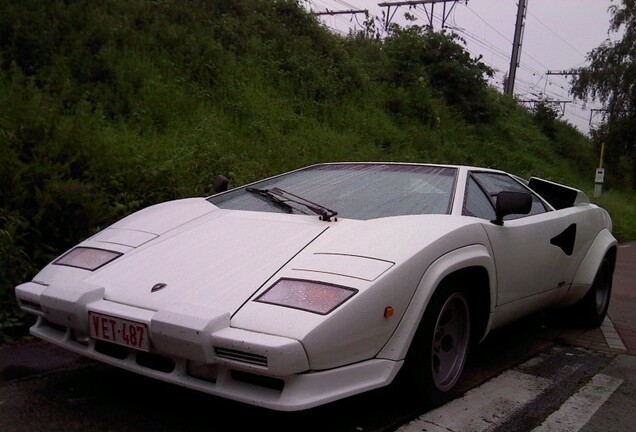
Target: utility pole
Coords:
[(516, 47), (558, 72), (423, 3), (594, 110)]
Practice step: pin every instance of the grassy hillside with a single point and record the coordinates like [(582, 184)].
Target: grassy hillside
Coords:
[(110, 106)]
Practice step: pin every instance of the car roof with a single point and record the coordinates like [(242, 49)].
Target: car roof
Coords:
[(455, 166)]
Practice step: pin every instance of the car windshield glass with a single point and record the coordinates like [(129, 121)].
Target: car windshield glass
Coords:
[(356, 191)]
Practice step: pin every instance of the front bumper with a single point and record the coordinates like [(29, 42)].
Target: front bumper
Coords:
[(195, 347)]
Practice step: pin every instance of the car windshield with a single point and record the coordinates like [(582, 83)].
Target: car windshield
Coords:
[(355, 191)]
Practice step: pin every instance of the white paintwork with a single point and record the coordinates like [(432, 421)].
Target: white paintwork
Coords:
[(186, 329), (524, 263), (470, 256), (211, 263), (161, 218), (216, 262), (124, 237), (359, 267)]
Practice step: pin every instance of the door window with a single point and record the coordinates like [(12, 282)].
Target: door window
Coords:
[(483, 188)]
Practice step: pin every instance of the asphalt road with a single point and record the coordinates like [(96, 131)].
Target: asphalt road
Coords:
[(622, 310), (43, 388), (532, 374)]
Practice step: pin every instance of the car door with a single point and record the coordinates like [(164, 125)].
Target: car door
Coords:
[(532, 252)]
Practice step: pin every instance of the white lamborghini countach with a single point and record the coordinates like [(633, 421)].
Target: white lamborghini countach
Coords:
[(326, 281)]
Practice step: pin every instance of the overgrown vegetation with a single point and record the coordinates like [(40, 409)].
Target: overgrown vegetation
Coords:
[(610, 77), (110, 106)]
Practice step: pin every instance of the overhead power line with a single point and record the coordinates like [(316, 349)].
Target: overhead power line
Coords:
[(342, 12), (563, 72)]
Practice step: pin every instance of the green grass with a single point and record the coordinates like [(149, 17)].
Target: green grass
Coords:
[(622, 207)]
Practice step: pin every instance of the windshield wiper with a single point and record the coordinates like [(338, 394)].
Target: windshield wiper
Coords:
[(280, 198), (269, 197)]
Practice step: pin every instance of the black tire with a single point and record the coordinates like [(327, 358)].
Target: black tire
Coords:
[(591, 310), (439, 350)]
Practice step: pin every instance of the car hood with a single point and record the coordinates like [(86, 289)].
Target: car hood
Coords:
[(218, 259)]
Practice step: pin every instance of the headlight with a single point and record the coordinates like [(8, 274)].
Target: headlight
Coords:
[(320, 298), (87, 258)]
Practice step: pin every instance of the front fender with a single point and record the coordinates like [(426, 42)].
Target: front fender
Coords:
[(470, 256), (603, 244)]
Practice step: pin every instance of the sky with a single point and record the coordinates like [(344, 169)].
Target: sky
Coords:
[(557, 36)]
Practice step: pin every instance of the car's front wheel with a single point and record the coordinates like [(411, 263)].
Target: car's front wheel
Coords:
[(440, 348)]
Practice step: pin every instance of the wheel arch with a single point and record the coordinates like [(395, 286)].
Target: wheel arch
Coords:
[(471, 266), (604, 245), (477, 283)]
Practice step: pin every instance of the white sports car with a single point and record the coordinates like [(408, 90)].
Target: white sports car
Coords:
[(325, 282)]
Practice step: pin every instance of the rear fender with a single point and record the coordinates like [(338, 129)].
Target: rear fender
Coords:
[(469, 256), (603, 244)]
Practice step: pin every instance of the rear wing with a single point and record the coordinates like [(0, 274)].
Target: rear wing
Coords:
[(559, 196)]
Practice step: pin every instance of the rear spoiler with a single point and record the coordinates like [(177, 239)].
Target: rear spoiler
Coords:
[(559, 196)]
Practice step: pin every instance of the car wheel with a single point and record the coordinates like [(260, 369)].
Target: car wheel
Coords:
[(591, 310), (440, 347)]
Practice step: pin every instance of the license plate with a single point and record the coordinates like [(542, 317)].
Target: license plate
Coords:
[(119, 331)]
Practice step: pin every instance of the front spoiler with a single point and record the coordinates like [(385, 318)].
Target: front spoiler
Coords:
[(257, 369), (296, 392)]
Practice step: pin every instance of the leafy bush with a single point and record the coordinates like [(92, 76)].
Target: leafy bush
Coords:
[(417, 54)]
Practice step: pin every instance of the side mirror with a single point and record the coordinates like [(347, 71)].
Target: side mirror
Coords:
[(512, 203), (220, 183)]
